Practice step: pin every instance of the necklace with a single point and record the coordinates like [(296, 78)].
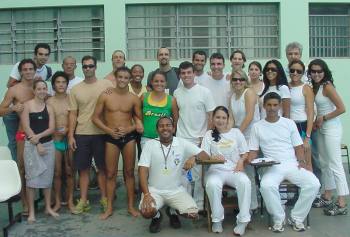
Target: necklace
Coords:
[(167, 155)]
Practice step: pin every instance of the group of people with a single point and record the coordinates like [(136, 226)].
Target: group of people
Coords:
[(290, 115)]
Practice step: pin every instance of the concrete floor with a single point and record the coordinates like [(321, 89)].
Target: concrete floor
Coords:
[(123, 225)]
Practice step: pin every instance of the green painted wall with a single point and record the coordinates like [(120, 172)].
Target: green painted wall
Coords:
[(294, 20)]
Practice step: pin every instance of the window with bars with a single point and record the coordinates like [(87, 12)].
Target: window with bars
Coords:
[(329, 30), (74, 31), (184, 28)]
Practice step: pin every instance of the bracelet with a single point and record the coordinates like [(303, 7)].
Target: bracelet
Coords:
[(302, 161), (307, 135), (146, 194), (324, 118)]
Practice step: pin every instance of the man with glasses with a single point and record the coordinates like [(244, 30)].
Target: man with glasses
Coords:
[(85, 139)]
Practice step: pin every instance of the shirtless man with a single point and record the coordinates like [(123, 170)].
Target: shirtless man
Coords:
[(118, 60), (114, 115), (13, 103), (60, 103)]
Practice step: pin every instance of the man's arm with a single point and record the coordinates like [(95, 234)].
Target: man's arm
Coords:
[(96, 116), (7, 101), (299, 153), (252, 155), (11, 82), (143, 176)]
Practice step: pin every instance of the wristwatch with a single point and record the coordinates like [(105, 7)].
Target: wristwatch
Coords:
[(302, 161), (324, 118)]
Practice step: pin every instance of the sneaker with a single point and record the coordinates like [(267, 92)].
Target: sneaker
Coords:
[(239, 230), (81, 207), (154, 227), (297, 226), (278, 227), (216, 227), (174, 219), (103, 203), (335, 209), (321, 202)]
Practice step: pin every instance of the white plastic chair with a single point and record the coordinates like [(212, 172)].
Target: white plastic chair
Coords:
[(5, 153), (10, 183)]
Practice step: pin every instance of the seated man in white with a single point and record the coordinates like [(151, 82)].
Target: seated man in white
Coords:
[(160, 170), (278, 138)]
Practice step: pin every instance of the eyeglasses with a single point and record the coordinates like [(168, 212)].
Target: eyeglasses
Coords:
[(238, 79), (86, 66), (298, 71), (316, 71), (271, 69)]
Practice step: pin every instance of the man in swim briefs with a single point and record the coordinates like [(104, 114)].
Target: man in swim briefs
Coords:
[(116, 113)]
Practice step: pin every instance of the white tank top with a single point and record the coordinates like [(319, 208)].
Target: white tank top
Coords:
[(297, 104), (324, 104), (239, 112)]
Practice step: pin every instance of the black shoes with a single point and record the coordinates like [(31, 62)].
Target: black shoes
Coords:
[(174, 219), (154, 227)]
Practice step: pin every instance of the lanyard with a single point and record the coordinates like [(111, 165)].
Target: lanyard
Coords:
[(167, 155)]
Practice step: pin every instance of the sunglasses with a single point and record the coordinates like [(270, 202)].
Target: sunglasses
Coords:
[(298, 71), (86, 66), (238, 79), (316, 71), (271, 69)]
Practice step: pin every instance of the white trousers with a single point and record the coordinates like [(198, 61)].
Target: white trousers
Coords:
[(249, 170), (215, 180), (304, 179), (179, 200), (329, 148)]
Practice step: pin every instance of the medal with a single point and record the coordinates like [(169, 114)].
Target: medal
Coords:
[(166, 156)]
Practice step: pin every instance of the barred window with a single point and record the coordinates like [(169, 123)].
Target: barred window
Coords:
[(329, 30), (184, 28), (75, 31)]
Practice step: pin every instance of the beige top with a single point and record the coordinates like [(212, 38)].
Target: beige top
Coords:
[(143, 90), (83, 98)]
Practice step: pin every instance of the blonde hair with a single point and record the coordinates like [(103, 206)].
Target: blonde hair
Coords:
[(242, 75)]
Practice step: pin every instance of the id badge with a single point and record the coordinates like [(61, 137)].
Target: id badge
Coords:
[(166, 171)]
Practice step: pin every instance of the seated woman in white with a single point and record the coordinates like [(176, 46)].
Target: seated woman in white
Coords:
[(229, 144)]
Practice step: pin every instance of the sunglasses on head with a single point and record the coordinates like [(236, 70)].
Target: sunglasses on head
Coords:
[(316, 71), (86, 66), (298, 71), (238, 79), (271, 69)]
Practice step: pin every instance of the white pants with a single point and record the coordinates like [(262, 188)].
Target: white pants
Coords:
[(304, 179), (179, 200), (215, 180), (249, 170), (329, 148)]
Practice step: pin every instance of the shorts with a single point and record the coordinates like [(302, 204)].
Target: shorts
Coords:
[(20, 136), (62, 145), (88, 147), (302, 126), (122, 141)]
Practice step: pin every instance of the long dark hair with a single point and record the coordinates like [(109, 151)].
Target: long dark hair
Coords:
[(216, 134), (328, 78), (281, 76)]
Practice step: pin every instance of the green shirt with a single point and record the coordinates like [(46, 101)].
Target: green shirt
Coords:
[(151, 114)]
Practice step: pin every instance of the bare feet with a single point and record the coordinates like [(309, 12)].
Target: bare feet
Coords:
[(71, 207), (57, 207), (52, 213), (31, 219), (105, 215), (132, 211)]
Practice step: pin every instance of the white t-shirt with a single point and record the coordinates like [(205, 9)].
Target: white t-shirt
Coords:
[(283, 91), (73, 82), (40, 72), (194, 104), (276, 140), (219, 88), (166, 180), (231, 145)]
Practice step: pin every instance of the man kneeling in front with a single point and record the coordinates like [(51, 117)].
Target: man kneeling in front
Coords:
[(160, 172), (279, 139)]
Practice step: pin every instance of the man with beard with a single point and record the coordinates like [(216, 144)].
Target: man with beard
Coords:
[(172, 77)]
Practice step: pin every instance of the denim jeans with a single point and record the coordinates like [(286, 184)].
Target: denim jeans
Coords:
[(11, 122)]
